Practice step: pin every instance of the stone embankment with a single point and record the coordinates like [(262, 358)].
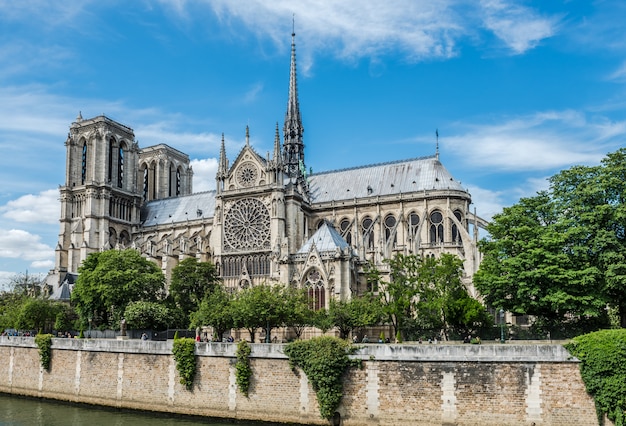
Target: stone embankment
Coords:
[(483, 385)]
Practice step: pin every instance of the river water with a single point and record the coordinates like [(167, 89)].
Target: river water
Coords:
[(18, 411)]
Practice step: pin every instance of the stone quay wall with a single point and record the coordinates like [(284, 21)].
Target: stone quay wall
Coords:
[(398, 385)]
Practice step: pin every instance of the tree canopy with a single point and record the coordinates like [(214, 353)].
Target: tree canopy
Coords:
[(108, 281), (191, 282), (260, 307), (216, 310), (426, 295), (561, 255), (354, 314)]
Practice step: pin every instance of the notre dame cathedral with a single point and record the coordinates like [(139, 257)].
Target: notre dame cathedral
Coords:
[(267, 221)]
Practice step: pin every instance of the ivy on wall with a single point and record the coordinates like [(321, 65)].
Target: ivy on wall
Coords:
[(603, 369), (324, 360), (184, 351), (44, 343), (243, 371)]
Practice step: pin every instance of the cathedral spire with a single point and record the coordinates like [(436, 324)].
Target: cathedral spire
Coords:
[(293, 149), (277, 156), (247, 135), (223, 162)]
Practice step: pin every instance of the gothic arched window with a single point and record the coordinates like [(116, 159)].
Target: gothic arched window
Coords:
[(414, 222), (315, 290), (436, 227), (390, 229), (368, 232), (456, 236), (344, 226), (178, 181)]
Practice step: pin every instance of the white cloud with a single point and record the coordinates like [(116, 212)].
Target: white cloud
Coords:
[(619, 74), (487, 202), (541, 141), (42, 264), (354, 29), (204, 174), (41, 208), (520, 28), (162, 132), (19, 244)]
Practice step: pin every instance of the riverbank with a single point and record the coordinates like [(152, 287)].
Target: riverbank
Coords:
[(408, 384)]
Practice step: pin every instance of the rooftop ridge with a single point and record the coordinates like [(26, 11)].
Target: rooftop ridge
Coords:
[(386, 163)]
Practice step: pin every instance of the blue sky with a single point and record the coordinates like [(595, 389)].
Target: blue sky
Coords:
[(517, 89)]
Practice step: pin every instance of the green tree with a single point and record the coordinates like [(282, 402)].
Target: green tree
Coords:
[(260, 307), (299, 314), (442, 297), (355, 313), (426, 294), (191, 282), (10, 306), (37, 314), (65, 318), (147, 315), (396, 294), (216, 310), (561, 255), (108, 281), (322, 320)]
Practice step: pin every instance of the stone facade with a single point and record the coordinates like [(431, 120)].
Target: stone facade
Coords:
[(398, 385), (269, 220)]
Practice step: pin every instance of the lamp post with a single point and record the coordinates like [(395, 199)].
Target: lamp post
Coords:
[(501, 325), (89, 334)]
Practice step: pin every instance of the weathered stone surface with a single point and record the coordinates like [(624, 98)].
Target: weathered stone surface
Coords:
[(398, 384)]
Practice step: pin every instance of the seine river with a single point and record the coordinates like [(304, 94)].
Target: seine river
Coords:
[(17, 411)]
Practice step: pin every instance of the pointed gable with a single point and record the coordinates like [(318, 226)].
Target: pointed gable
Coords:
[(325, 239)]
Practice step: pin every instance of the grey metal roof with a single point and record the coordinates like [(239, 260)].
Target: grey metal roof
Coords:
[(178, 209), (64, 291), (325, 239), (417, 174)]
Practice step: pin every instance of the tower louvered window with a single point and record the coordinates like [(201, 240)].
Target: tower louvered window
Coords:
[(120, 167), (83, 172), (110, 162)]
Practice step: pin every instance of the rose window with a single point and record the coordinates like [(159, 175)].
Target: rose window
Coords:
[(247, 174), (247, 225)]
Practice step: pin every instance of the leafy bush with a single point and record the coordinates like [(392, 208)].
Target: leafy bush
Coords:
[(603, 369), (44, 343), (324, 361), (243, 372), (184, 354)]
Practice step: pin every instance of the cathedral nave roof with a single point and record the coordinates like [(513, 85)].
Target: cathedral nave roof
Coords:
[(178, 209), (404, 176)]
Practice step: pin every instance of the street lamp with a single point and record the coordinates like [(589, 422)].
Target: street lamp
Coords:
[(501, 325), (89, 334)]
